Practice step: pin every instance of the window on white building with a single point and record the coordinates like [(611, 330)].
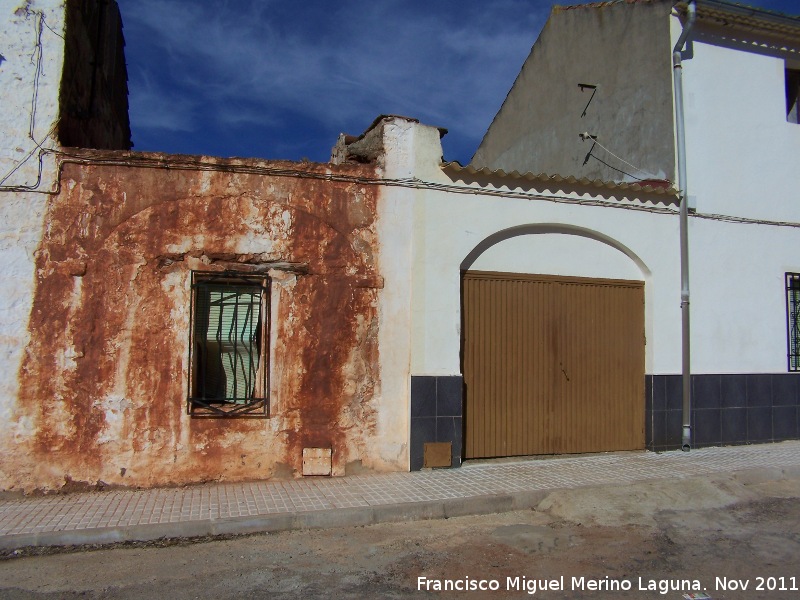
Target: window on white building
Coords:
[(793, 95), (793, 320)]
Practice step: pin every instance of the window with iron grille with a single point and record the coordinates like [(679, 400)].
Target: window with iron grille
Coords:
[(228, 374), (793, 319)]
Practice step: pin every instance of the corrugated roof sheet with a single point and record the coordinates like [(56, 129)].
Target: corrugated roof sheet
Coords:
[(666, 188)]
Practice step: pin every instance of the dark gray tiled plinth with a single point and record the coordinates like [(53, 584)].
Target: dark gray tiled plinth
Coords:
[(784, 390), (784, 422), (436, 411), (759, 390), (706, 427), (733, 390), (449, 396), (706, 392), (733, 425), (423, 397), (727, 409)]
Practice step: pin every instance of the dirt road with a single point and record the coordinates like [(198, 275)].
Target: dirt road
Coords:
[(734, 537)]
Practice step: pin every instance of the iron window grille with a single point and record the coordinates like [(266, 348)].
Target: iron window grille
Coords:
[(793, 319), (229, 337)]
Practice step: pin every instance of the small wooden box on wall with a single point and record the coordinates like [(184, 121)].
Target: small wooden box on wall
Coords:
[(438, 454), (317, 461)]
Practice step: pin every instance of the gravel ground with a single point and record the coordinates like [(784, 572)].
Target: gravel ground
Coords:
[(727, 535)]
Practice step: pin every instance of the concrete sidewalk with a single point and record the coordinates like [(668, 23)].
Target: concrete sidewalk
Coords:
[(475, 488)]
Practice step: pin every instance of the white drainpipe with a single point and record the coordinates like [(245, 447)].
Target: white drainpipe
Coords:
[(677, 74)]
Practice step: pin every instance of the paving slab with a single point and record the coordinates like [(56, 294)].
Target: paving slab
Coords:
[(479, 487)]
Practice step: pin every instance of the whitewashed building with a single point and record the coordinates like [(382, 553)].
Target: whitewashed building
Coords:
[(576, 190)]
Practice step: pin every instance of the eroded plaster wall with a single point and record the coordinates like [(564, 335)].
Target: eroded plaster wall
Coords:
[(103, 382)]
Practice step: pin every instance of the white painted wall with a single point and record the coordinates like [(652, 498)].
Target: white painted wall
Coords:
[(738, 303), (30, 78), (22, 213), (538, 249), (742, 154), (554, 237), (742, 161), (454, 225), (395, 207), (738, 306), (394, 262)]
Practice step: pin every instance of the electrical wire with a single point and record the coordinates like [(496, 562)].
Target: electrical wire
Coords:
[(743, 220), (618, 170), (36, 59), (30, 153), (635, 168), (411, 183), (37, 53), (596, 142), (179, 163), (185, 163), (55, 33), (195, 164)]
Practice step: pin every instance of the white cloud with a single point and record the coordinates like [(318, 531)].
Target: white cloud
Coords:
[(342, 65)]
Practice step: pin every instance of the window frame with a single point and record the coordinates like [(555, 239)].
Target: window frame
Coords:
[(792, 82), (793, 321), (256, 402)]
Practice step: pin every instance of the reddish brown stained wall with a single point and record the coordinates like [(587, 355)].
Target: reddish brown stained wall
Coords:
[(103, 381)]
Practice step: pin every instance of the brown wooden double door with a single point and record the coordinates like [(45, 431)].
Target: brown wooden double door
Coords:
[(552, 364)]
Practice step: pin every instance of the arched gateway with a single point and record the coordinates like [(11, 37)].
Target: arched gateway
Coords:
[(552, 363)]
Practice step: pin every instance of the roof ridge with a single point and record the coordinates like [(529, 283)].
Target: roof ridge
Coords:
[(603, 4)]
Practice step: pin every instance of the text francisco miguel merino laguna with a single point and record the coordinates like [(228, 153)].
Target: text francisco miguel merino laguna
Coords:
[(531, 586)]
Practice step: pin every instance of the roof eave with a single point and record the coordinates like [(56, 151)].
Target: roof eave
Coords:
[(748, 17), (666, 190)]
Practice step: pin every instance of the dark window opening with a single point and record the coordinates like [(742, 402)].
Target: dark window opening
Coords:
[(793, 95), (793, 319), (229, 363)]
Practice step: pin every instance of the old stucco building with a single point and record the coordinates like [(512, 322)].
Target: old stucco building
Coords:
[(173, 319), (178, 319)]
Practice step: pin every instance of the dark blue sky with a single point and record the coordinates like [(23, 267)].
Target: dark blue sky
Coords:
[(281, 78)]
